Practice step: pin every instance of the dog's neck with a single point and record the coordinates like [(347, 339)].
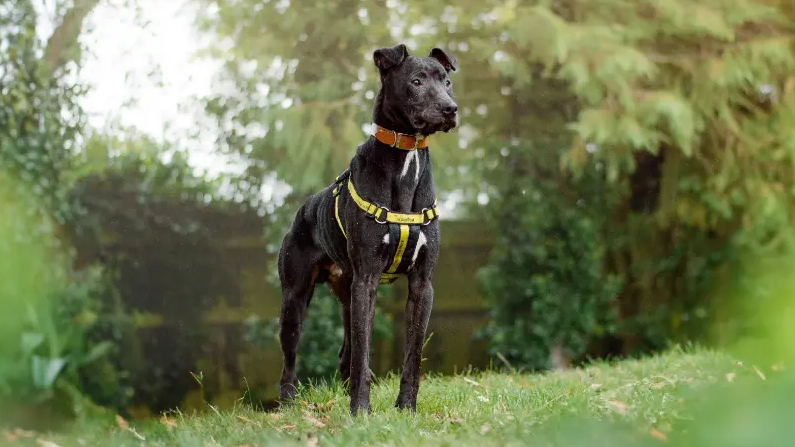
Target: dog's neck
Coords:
[(396, 178), (391, 118)]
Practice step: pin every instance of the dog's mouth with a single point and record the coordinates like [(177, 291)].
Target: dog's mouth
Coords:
[(450, 124), (440, 124)]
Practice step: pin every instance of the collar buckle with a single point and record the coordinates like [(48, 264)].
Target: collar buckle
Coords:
[(418, 139), (397, 140)]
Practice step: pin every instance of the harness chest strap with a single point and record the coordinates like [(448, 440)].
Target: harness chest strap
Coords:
[(378, 212)]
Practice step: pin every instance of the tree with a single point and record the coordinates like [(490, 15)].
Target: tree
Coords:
[(40, 121), (35, 94), (550, 251), (684, 106), (301, 84), (300, 94), (62, 46), (679, 109)]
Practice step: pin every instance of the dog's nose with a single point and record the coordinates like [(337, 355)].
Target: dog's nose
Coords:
[(450, 110)]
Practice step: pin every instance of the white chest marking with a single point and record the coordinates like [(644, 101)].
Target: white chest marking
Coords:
[(412, 155)]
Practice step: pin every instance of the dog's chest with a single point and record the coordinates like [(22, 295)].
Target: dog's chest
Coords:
[(399, 234), (404, 184), (403, 244)]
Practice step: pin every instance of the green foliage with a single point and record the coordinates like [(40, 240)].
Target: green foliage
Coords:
[(703, 84), (60, 345), (684, 105), (49, 310), (31, 274), (128, 180), (760, 291), (155, 223), (156, 169), (39, 115), (678, 111), (296, 106), (296, 111), (107, 381), (548, 261)]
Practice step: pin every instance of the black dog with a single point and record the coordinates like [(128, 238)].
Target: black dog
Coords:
[(377, 221)]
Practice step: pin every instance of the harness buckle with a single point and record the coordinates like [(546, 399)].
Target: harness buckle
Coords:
[(342, 177), (425, 219), (384, 210)]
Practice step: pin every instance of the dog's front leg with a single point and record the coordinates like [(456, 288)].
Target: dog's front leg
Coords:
[(363, 296), (418, 312)]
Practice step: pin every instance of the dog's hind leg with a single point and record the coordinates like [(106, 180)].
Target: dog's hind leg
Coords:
[(298, 262)]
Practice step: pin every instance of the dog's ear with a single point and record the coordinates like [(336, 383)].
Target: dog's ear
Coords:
[(447, 60), (386, 58)]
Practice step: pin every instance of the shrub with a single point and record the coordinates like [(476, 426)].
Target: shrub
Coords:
[(545, 280), (47, 311)]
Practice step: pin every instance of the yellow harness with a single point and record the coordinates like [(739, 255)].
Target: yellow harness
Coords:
[(403, 227)]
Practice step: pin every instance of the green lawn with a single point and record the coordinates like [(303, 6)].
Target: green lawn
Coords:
[(679, 398)]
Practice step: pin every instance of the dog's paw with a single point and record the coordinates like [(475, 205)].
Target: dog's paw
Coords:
[(361, 409), (402, 404), (287, 394)]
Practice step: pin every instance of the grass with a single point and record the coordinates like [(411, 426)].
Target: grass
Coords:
[(637, 403)]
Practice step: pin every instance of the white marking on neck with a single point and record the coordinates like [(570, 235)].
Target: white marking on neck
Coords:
[(412, 155), (386, 239), (421, 240)]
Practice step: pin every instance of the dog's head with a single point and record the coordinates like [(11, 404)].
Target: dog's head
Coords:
[(417, 92)]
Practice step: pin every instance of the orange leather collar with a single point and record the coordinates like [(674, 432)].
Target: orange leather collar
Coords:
[(399, 140)]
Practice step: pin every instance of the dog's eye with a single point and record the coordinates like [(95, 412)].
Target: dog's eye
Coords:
[(447, 83), (416, 82)]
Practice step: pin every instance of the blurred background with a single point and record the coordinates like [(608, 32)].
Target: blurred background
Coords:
[(617, 165)]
